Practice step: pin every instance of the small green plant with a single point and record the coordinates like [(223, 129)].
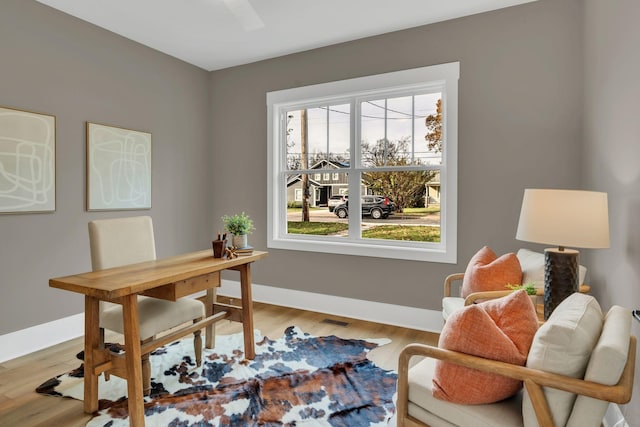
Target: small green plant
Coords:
[(238, 224), (528, 287)]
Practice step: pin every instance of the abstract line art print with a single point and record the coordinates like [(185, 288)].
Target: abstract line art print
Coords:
[(27, 161), (118, 168)]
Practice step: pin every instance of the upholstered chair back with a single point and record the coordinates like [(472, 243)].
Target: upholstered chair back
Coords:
[(121, 241)]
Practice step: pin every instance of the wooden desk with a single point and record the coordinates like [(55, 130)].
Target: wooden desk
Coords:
[(170, 279)]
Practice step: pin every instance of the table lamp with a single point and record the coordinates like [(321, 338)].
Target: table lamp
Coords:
[(573, 218)]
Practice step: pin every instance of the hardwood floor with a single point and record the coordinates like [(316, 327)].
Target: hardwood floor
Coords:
[(21, 406)]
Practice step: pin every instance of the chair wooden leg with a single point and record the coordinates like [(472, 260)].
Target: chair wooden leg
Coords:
[(146, 374), (539, 402), (107, 376), (210, 300), (402, 388), (146, 369), (197, 346)]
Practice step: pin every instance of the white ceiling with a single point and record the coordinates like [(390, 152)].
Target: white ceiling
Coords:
[(215, 34)]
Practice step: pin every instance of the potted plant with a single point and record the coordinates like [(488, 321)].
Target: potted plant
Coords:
[(239, 225), (529, 288)]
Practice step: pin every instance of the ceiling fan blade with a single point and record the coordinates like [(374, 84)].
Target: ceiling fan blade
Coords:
[(245, 14)]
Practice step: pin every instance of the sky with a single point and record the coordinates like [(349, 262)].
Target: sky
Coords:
[(405, 117)]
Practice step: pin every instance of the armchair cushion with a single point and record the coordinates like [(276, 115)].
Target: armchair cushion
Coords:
[(563, 346), (605, 366), (488, 272), (507, 412), (508, 324), (451, 305)]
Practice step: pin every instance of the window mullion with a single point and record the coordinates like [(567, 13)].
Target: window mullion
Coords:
[(413, 129), (354, 180), (328, 144), (386, 136)]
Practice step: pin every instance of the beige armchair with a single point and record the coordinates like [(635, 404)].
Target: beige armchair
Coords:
[(532, 264), (607, 375), (122, 241)]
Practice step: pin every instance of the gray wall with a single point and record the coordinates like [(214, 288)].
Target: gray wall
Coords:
[(528, 118), (56, 64), (520, 124), (612, 150)]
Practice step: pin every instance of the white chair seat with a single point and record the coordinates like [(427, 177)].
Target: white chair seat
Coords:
[(451, 304), (155, 315), (507, 413)]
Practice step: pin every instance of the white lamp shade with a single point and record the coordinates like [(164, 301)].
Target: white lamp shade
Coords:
[(573, 218)]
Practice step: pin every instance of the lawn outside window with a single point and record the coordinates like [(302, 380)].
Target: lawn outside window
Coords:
[(389, 139)]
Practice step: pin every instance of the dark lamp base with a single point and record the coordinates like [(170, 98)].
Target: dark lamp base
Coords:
[(560, 277)]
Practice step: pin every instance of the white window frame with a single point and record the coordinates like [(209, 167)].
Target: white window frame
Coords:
[(444, 78)]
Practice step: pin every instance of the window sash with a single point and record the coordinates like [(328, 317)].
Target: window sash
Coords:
[(441, 78)]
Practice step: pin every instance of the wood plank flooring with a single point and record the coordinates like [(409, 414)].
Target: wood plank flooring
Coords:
[(21, 406)]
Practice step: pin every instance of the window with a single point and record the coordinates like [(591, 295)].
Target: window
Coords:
[(393, 140)]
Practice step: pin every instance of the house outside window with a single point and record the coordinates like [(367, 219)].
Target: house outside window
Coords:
[(391, 139)]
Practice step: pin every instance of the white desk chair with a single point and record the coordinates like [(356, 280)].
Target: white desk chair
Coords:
[(122, 241)]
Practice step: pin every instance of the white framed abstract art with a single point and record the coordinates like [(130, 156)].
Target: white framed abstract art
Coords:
[(27, 161), (118, 168)]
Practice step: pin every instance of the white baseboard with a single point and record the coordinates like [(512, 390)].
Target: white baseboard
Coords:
[(20, 343), (389, 314), (614, 417), (25, 341)]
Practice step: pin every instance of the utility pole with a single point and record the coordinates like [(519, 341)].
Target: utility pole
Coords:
[(305, 165)]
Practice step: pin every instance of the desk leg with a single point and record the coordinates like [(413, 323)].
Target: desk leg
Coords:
[(91, 342), (247, 311), (133, 360), (210, 299)]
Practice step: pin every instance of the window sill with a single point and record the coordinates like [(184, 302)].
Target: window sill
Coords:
[(388, 249)]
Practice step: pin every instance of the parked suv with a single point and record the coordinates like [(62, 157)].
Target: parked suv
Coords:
[(336, 200), (375, 206)]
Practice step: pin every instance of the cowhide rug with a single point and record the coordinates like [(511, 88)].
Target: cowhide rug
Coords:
[(296, 380)]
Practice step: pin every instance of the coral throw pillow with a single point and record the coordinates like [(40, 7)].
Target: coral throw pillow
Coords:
[(500, 329), (487, 272)]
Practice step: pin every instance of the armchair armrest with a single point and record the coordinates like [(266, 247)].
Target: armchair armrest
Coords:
[(533, 379), (475, 296), (449, 280)]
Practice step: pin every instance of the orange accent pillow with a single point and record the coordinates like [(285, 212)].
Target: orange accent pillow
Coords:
[(500, 329), (487, 272)]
